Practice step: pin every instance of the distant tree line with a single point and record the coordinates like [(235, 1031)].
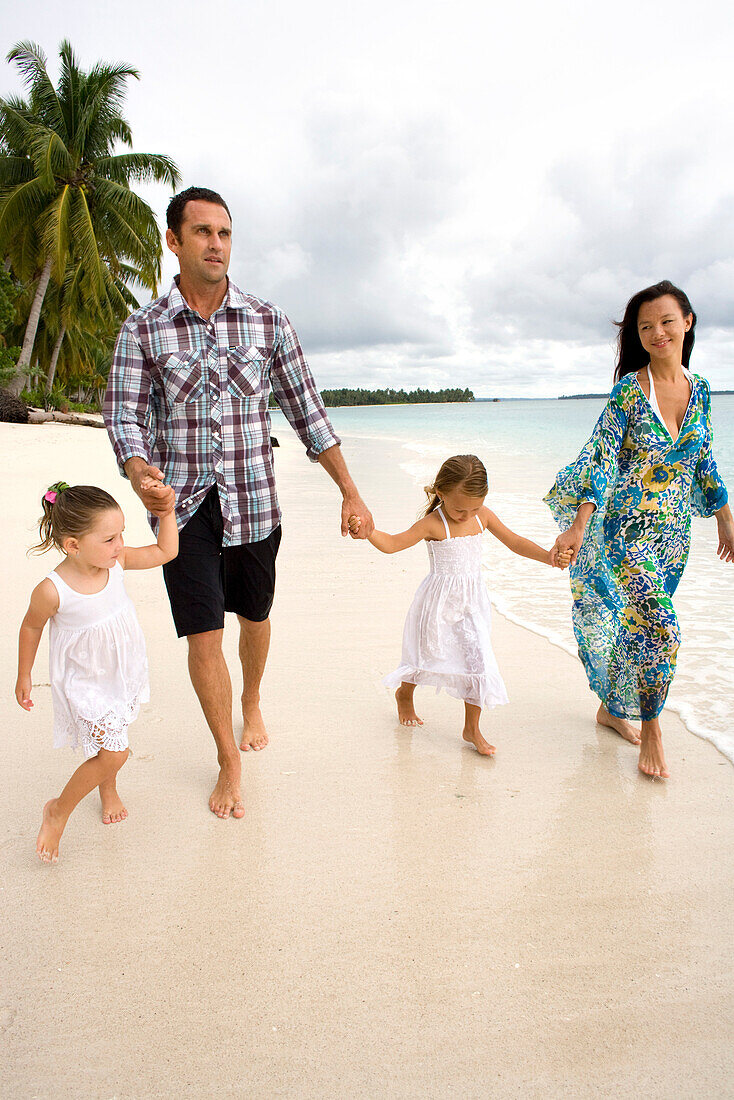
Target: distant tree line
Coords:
[(335, 398)]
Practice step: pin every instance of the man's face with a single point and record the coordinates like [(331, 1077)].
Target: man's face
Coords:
[(204, 244)]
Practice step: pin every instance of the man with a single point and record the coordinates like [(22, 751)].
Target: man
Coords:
[(186, 403)]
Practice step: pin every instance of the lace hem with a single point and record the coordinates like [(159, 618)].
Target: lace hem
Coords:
[(470, 689), (108, 731)]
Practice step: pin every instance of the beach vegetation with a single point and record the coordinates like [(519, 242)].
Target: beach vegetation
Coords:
[(74, 234), (350, 397)]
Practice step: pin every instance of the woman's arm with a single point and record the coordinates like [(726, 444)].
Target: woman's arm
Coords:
[(165, 549), (526, 548), (425, 528), (44, 603), (570, 541)]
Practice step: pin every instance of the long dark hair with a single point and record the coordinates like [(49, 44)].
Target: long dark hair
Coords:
[(70, 511), (466, 471), (631, 356)]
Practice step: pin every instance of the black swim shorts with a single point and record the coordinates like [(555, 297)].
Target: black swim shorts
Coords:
[(206, 579)]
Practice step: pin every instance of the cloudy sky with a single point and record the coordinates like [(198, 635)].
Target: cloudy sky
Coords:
[(459, 193)]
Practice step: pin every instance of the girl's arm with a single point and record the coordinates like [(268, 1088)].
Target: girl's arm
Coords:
[(165, 549), (44, 603), (425, 528), (526, 548)]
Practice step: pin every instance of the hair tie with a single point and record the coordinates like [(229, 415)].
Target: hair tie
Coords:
[(53, 491)]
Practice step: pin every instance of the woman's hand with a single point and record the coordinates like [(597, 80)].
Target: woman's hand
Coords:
[(726, 540), (566, 547)]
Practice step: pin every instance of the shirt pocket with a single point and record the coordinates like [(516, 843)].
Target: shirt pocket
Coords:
[(181, 376), (245, 371)]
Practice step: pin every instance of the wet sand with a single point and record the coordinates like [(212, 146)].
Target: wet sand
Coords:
[(395, 915)]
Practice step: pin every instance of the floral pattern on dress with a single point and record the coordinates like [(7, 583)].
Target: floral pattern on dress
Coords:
[(645, 486)]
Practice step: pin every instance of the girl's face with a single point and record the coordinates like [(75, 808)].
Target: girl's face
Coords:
[(102, 544), (662, 327), (459, 507)]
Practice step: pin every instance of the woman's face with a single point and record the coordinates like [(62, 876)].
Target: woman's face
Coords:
[(662, 326)]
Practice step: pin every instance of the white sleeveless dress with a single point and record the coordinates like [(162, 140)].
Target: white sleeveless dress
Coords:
[(97, 664), (447, 639)]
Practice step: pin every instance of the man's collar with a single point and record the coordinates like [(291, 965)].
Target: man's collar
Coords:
[(233, 299)]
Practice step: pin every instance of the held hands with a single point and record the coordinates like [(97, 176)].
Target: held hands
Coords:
[(566, 547), (157, 497), (357, 519), (23, 689)]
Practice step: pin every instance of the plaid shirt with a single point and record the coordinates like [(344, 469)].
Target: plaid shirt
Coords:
[(191, 396)]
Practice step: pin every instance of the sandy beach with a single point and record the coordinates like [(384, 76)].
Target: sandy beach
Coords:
[(395, 916)]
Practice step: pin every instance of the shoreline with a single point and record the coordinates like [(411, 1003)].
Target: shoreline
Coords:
[(395, 914)]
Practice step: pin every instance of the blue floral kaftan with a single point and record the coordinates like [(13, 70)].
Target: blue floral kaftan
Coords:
[(645, 485)]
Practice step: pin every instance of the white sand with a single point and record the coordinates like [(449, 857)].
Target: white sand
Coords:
[(395, 916)]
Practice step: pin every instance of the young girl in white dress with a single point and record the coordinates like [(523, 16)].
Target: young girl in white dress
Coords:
[(97, 663), (447, 637)]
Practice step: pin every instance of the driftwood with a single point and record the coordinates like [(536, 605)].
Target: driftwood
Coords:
[(41, 416)]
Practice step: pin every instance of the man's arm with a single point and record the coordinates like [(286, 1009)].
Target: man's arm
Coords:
[(333, 462), (128, 415), (296, 393)]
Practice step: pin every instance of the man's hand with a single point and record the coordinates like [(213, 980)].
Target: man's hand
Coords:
[(147, 481), (357, 519)]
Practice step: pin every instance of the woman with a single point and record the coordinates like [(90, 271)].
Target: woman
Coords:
[(626, 503)]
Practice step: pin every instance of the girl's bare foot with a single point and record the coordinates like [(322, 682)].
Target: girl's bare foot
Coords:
[(52, 826), (113, 810), (621, 725), (225, 798), (652, 761), (406, 710), (254, 734), (474, 737)]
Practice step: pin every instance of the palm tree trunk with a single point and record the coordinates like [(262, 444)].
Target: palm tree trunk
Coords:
[(55, 359), (31, 328)]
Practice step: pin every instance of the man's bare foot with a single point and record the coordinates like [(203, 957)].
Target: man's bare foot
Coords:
[(474, 737), (621, 725), (113, 809), (652, 761), (225, 798), (254, 734), (406, 710), (52, 826)]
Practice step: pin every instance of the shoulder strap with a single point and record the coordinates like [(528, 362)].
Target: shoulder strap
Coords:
[(443, 518), (60, 585), (481, 528)]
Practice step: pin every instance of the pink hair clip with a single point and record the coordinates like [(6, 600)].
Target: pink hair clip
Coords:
[(50, 496)]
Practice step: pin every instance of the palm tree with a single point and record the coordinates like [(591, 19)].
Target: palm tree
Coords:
[(65, 194)]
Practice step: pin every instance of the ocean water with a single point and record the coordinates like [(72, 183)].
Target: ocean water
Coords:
[(523, 444)]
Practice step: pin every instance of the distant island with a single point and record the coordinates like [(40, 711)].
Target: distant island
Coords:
[(581, 396), (335, 398)]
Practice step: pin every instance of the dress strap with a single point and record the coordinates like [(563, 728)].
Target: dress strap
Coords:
[(443, 517), (481, 528)]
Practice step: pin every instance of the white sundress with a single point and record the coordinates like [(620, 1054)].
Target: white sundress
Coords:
[(447, 639), (97, 664)]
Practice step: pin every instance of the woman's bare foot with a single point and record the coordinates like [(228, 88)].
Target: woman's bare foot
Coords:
[(225, 798), (254, 734), (52, 826), (652, 761), (474, 737), (406, 710), (621, 725), (113, 810)]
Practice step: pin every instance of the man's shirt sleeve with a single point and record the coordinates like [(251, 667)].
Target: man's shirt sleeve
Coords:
[(128, 409), (296, 393)]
